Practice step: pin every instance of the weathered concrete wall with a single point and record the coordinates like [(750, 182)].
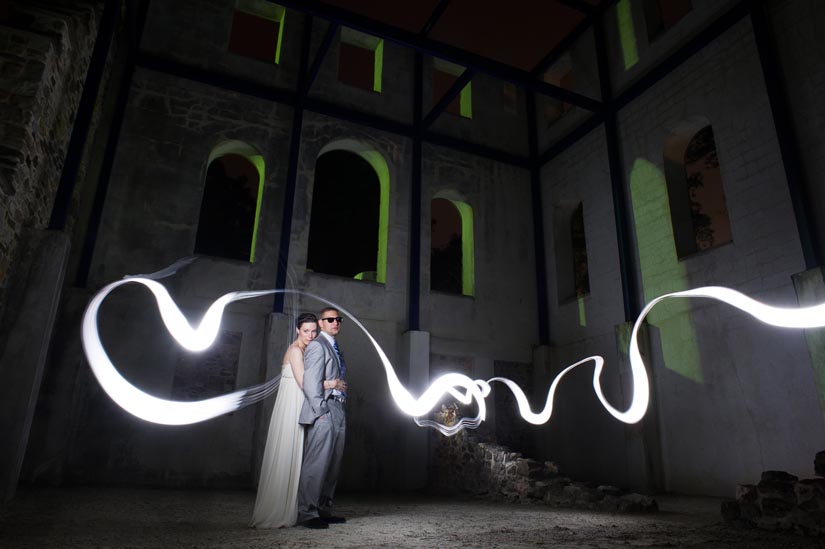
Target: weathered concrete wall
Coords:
[(44, 53), (498, 320), (491, 125), (581, 327), (735, 396), (797, 32)]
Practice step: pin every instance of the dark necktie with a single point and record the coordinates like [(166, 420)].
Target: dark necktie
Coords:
[(343, 369)]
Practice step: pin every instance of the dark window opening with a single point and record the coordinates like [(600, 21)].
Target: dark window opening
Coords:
[(356, 66), (445, 247), (660, 15), (699, 212), (554, 109), (581, 276), (442, 82), (343, 231), (227, 216), (509, 96), (254, 36), (572, 272)]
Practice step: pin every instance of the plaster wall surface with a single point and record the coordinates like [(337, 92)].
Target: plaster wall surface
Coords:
[(499, 319), (583, 326), (798, 33), (735, 397)]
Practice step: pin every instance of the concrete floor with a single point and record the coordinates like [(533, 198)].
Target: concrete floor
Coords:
[(143, 518)]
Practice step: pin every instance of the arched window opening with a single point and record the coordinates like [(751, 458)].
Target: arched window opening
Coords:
[(699, 212), (660, 15), (452, 258), (231, 204), (257, 30), (348, 222), (572, 273)]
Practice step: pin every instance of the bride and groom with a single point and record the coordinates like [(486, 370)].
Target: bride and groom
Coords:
[(307, 430)]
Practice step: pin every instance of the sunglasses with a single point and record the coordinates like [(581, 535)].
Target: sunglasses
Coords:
[(332, 319)]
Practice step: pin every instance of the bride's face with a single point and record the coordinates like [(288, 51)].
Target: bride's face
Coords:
[(307, 332)]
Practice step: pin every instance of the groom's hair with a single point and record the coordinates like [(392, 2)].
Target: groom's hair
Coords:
[(326, 310), (303, 318)]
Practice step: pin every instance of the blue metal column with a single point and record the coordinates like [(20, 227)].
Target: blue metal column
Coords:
[(292, 167)]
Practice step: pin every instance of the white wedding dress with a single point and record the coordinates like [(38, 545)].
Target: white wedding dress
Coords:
[(276, 504)]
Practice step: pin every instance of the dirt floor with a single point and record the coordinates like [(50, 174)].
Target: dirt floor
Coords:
[(142, 518)]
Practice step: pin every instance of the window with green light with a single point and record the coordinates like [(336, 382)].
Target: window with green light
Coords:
[(444, 76), (231, 204), (361, 60), (257, 30), (349, 219), (452, 258)]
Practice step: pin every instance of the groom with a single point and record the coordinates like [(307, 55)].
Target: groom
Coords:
[(323, 415)]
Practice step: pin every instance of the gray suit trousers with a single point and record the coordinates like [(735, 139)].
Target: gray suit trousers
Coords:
[(323, 450)]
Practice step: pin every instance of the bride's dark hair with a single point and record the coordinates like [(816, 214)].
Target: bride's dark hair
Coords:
[(303, 318)]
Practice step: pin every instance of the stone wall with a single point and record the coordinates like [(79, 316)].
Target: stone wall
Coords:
[(45, 49), (781, 501), (463, 464)]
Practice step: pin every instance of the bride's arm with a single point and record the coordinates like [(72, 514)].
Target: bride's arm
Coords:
[(296, 362)]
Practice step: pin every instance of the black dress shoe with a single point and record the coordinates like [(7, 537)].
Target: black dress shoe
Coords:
[(332, 519), (316, 523)]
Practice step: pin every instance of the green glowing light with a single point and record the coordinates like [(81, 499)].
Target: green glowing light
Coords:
[(258, 162), (582, 318), (280, 36), (627, 34), (661, 270), (269, 11), (468, 277), (466, 101), (378, 66)]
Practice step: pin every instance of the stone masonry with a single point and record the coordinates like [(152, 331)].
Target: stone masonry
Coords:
[(44, 54), (781, 501), (465, 465)]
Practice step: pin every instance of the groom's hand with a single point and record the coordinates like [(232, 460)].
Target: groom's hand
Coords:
[(341, 385)]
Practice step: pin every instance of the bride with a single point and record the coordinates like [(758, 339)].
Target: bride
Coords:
[(276, 504)]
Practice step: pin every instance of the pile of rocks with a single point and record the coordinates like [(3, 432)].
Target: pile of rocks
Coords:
[(780, 501), (465, 465)]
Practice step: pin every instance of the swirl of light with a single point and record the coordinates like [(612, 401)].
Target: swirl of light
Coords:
[(459, 386), (172, 412)]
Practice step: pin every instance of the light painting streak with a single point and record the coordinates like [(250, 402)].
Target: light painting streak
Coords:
[(459, 386)]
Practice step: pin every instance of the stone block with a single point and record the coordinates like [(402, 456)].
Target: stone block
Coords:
[(637, 503), (730, 510), (747, 492)]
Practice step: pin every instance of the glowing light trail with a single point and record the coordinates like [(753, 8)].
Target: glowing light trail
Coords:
[(459, 386)]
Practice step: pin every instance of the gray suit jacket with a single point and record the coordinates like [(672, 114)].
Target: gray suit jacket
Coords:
[(320, 363)]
